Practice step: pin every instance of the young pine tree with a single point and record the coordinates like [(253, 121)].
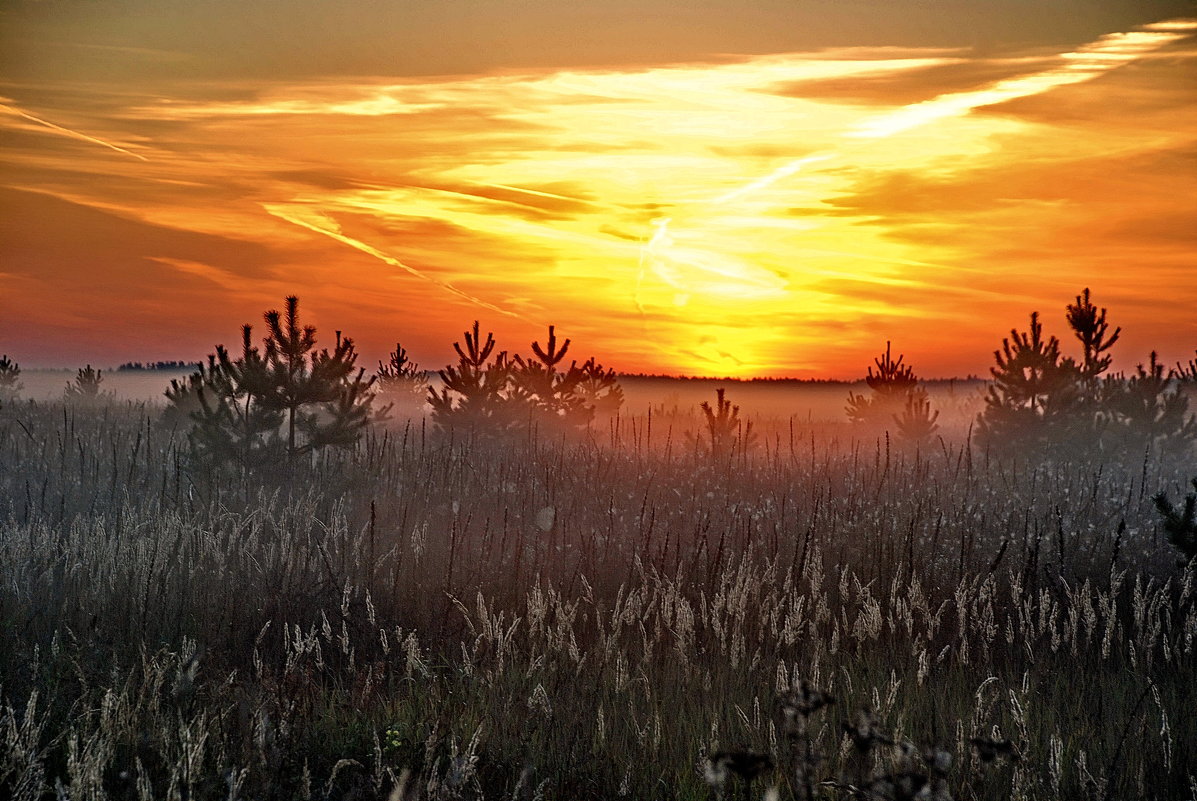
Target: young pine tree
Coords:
[(896, 399), (1186, 371), (475, 392), (599, 389), (1180, 523), (1035, 393), (1089, 325), (917, 421), (10, 384), (85, 389), (1148, 408), (499, 394), (890, 386), (726, 432), (400, 383), (230, 423), (323, 396), (276, 404), (567, 398)]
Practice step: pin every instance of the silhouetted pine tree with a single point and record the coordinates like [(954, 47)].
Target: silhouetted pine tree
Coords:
[(1180, 525), (400, 383), (182, 396), (10, 384), (1186, 371), (497, 395), (1035, 393), (917, 421), (1089, 325), (324, 397), (549, 393), (85, 390), (279, 404), (475, 392), (1149, 408), (890, 386), (230, 421), (599, 389), (896, 399), (726, 432)]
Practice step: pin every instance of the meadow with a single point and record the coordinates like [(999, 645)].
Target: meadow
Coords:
[(438, 614)]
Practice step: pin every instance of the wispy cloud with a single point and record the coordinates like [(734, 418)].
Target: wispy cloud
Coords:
[(728, 213), (59, 129), (321, 224)]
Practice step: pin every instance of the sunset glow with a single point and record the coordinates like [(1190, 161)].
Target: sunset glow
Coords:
[(775, 214)]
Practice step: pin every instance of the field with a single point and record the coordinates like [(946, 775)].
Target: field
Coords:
[(438, 615)]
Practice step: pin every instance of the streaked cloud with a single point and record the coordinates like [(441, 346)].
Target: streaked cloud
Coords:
[(749, 215)]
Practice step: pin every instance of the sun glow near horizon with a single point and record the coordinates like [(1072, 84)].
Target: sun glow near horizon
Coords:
[(772, 215)]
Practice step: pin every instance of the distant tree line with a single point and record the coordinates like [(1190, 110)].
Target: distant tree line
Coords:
[(148, 366)]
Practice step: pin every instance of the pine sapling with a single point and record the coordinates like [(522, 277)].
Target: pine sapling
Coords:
[(890, 386), (1180, 524), (400, 382), (725, 429), (10, 384), (85, 388), (1090, 327)]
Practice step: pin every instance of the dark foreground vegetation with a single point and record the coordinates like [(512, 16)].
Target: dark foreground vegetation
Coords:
[(277, 594)]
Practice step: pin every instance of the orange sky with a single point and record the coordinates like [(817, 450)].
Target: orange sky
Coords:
[(669, 205)]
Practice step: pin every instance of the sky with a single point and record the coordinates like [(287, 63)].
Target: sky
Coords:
[(710, 187)]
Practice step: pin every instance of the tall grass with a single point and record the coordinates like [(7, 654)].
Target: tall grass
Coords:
[(431, 615)]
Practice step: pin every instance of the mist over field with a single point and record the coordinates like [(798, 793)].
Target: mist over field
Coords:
[(522, 579), (613, 452), (774, 400)]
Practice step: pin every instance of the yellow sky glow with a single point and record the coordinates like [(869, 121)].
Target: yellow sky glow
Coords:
[(770, 215)]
